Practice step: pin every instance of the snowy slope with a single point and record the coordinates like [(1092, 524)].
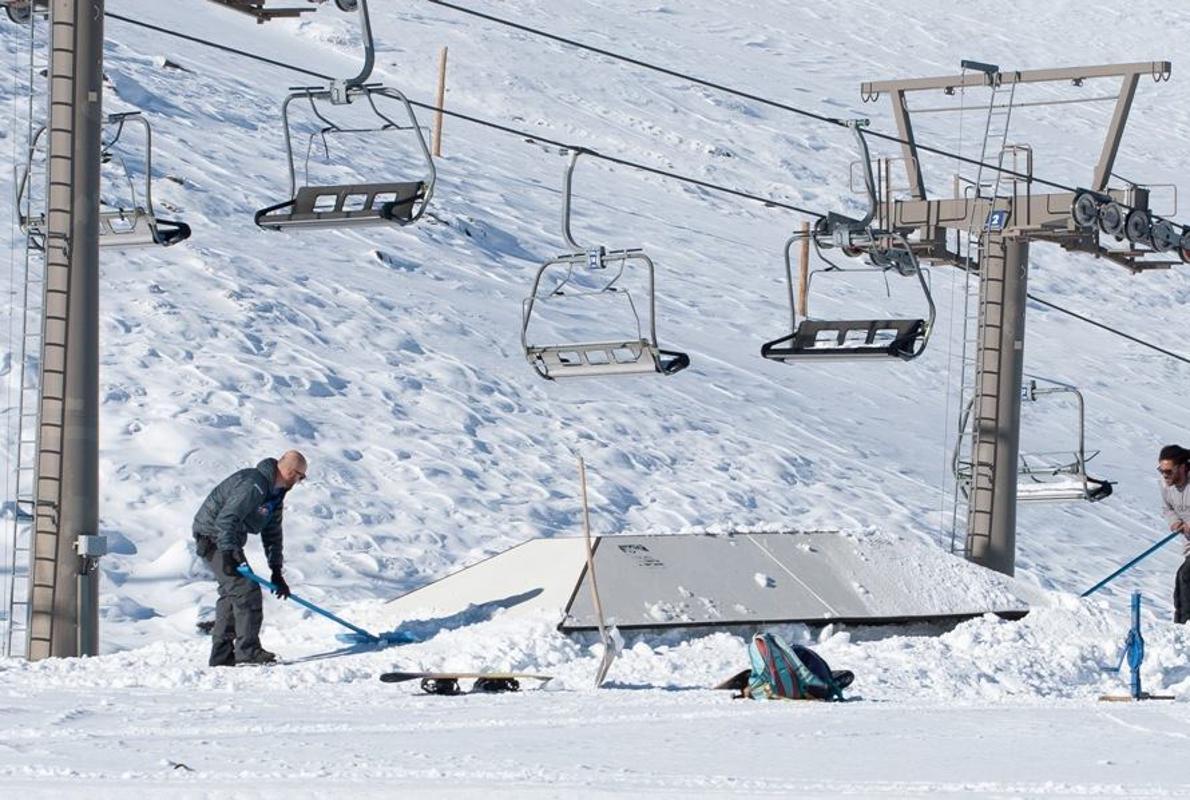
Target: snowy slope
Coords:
[(391, 357)]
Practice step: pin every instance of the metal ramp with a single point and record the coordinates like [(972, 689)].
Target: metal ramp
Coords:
[(567, 356), (736, 580), (903, 338)]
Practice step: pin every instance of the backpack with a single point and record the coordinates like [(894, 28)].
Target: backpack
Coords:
[(792, 672)]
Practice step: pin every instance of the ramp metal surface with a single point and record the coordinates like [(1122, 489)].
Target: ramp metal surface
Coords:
[(708, 580), (769, 578)]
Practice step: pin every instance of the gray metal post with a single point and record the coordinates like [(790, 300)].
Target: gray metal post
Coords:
[(991, 516), (917, 184), (64, 591)]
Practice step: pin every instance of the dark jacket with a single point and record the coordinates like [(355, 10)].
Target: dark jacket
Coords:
[(244, 503)]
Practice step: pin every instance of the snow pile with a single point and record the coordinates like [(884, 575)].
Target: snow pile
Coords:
[(1057, 652)]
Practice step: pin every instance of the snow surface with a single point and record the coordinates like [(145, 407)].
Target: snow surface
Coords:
[(391, 357)]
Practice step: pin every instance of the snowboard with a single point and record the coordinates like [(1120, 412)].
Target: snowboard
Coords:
[(447, 683)]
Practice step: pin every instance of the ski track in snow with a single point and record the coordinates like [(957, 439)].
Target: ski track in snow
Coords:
[(392, 358)]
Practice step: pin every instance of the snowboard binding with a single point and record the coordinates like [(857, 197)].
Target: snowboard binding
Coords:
[(445, 686)]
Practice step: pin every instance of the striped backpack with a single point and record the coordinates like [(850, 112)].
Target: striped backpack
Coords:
[(793, 672)]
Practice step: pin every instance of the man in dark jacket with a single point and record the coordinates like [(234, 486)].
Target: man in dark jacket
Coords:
[(248, 501)]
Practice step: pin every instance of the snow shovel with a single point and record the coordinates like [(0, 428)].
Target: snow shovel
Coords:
[(358, 635), (1131, 564)]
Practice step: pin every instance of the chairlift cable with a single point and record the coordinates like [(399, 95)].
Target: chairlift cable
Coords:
[(532, 137), (1108, 328), (594, 154), (740, 93)]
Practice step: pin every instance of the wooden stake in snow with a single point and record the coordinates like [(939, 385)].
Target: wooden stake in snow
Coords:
[(441, 102), (803, 280), (609, 652)]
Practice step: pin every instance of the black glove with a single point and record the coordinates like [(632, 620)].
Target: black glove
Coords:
[(231, 560), (280, 587)]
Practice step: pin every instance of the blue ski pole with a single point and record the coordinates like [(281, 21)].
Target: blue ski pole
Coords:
[(247, 572), (1131, 564)]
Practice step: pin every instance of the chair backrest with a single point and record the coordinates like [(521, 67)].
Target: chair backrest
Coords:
[(345, 205), (845, 339), (363, 199)]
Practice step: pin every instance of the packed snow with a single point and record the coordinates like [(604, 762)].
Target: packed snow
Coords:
[(391, 357)]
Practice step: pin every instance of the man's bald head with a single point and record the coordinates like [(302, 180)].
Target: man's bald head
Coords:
[(291, 469)]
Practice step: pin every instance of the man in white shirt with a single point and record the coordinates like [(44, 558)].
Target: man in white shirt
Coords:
[(1174, 465)]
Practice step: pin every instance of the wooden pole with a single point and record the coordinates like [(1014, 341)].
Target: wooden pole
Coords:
[(441, 102), (803, 278), (609, 653)]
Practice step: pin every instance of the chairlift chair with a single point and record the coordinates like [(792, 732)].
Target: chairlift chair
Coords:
[(264, 12), (903, 338), (1044, 477), (631, 355), (135, 226), (316, 205), (19, 11)]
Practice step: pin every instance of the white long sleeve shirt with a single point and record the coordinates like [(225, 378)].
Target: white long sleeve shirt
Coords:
[(1175, 503)]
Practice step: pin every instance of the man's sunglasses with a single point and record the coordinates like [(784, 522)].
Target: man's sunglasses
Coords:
[(1166, 472)]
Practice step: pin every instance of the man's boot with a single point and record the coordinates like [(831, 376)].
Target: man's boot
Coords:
[(258, 658)]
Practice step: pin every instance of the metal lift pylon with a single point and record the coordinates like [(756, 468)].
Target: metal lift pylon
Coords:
[(1011, 218), (63, 619)]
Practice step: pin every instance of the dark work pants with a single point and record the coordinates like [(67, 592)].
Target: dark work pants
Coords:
[(1181, 593), (238, 616)]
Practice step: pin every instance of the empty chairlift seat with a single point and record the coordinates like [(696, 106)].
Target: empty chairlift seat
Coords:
[(1042, 477), (19, 11), (120, 226), (889, 337), (604, 358), (262, 11), (138, 227), (565, 355), (635, 355), (886, 251), (341, 205)]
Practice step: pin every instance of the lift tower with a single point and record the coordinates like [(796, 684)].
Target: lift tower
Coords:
[(63, 593), (1000, 219)]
